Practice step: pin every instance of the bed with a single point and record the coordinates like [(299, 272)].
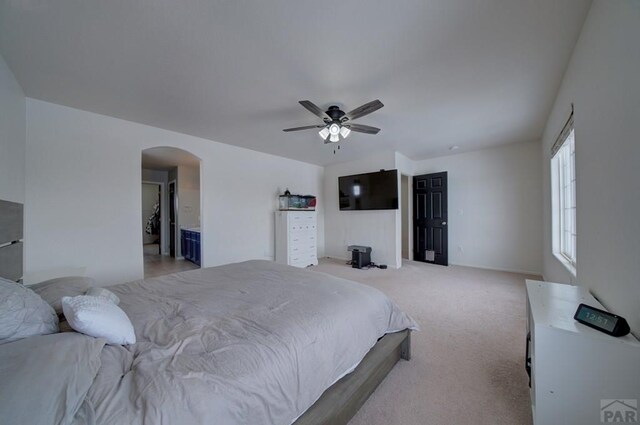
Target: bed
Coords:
[(248, 343)]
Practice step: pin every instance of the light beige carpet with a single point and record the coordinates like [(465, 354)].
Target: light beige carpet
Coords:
[(467, 363)]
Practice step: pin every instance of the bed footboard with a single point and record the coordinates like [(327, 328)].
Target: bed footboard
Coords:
[(342, 400)]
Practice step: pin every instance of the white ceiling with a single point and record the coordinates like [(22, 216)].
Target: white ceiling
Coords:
[(166, 158), (471, 73)]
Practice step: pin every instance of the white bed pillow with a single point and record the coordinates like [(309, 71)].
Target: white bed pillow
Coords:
[(104, 293), (53, 290), (23, 313), (100, 318)]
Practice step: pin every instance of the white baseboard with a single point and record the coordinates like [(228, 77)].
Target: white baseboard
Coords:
[(455, 264), (389, 266), (335, 257), (498, 269)]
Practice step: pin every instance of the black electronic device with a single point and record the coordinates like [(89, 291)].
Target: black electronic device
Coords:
[(360, 256), (369, 191), (601, 320)]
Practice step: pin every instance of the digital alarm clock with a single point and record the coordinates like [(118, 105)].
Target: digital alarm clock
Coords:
[(601, 320)]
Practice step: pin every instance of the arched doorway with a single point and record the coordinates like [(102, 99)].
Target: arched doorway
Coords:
[(171, 211)]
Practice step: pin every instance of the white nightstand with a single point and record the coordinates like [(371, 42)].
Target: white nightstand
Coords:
[(574, 367)]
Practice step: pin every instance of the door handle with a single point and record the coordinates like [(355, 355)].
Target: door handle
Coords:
[(444, 223)]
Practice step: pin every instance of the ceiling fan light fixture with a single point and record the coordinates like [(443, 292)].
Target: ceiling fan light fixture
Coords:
[(333, 128), (324, 133), (344, 132)]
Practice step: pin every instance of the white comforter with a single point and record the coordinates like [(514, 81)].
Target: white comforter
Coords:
[(247, 343)]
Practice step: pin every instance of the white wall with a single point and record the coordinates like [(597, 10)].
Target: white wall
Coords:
[(12, 136), (495, 206), (377, 229), (188, 196), (404, 206), (159, 176), (75, 155), (405, 166), (602, 80)]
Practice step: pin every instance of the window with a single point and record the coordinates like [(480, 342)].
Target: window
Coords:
[(563, 180)]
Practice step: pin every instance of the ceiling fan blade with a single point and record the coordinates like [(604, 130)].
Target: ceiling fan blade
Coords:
[(361, 128), (306, 127), (314, 109), (365, 109)]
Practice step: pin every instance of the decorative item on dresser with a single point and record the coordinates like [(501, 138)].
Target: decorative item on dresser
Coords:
[(296, 238), (289, 202)]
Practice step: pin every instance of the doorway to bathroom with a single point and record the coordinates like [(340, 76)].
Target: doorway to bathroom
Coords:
[(171, 211)]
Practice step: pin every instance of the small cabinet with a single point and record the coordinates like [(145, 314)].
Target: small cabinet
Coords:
[(575, 371), (190, 245)]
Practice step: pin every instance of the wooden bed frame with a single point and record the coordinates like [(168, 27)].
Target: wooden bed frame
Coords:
[(336, 406), (342, 400)]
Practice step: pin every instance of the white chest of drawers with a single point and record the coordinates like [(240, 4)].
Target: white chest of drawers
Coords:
[(296, 238)]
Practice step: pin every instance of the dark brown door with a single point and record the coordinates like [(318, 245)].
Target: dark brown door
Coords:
[(172, 219), (430, 218)]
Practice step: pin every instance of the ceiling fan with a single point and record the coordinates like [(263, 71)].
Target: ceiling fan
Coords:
[(337, 123)]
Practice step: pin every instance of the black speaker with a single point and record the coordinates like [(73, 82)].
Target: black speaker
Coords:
[(360, 256), (360, 259)]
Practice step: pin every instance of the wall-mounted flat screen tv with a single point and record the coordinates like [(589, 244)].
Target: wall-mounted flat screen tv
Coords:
[(370, 191)]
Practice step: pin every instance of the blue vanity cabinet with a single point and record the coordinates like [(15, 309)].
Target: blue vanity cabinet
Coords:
[(196, 247), (190, 243)]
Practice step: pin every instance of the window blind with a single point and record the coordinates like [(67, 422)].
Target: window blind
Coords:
[(563, 134)]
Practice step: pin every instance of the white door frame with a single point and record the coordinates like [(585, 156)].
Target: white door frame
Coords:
[(163, 225), (408, 213)]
